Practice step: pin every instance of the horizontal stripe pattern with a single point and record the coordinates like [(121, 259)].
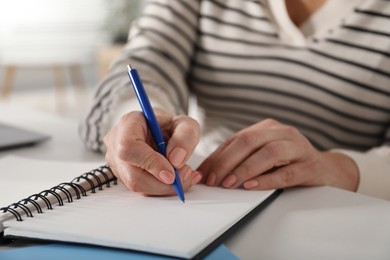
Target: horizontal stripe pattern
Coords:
[(335, 89)]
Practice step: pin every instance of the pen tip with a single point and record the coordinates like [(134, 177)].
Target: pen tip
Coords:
[(184, 201), (129, 67)]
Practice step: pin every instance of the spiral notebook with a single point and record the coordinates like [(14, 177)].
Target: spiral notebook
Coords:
[(94, 208)]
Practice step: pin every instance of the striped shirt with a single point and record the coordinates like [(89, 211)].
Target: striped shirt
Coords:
[(246, 61)]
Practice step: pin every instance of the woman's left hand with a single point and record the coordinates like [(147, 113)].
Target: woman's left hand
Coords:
[(270, 155)]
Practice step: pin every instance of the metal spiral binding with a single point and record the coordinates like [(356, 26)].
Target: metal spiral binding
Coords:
[(92, 178), (47, 202), (101, 171)]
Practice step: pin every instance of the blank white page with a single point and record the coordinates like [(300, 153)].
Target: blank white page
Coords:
[(21, 177), (116, 217)]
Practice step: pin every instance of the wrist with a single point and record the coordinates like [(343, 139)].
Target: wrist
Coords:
[(341, 171)]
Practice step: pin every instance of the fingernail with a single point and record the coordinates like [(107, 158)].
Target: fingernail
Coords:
[(196, 179), (251, 184), (177, 156), (167, 177), (212, 179), (229, 181)]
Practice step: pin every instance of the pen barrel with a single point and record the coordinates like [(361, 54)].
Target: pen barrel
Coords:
[(152, 122), (162, 148), (146, 107), (177, 186)]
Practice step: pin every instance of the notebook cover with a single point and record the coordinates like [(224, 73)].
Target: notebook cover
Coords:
[(238, 224), (203, 253)]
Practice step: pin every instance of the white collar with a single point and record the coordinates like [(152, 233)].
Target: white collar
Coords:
[(329, 15)]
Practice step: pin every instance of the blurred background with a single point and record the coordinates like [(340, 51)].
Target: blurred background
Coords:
[(53, 53)]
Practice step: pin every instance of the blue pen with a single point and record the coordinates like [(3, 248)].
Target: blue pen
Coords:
[(152, 123)]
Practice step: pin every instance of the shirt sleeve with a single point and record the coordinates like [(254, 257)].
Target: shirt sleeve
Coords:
[(374, 168), (160, 47)]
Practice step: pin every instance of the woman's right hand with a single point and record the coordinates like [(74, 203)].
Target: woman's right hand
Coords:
[(132, 156)]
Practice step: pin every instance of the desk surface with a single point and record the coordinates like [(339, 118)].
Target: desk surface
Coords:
[(302, 223)]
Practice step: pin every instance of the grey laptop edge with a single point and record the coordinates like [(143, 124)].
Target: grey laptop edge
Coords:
[(15, 137)]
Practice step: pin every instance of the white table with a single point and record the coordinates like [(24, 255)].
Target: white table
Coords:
[(64, 144), (302, 223)]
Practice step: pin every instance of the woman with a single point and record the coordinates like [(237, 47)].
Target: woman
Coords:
[(293, 92)]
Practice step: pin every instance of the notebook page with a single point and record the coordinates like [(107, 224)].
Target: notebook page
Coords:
[(118, 218), (21, 177)]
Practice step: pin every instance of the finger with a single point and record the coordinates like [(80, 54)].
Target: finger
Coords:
[(137, 180), (286, 176), (244, 144), (204, 167), (273, 154), (132, 145), (185, 137), (216, 161)]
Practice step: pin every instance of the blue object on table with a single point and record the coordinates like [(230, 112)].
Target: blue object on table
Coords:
[(69, 251)]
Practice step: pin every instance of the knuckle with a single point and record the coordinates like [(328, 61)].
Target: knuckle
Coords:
[(130, 115), (267, 182), (270, 122), (290, 130), (274, 150), (246, 139), (123, 148), (195, 124), (134, 120), (125, 118), (287, 176), (243, 170), (192, 127), (193, 139), (180, 117), (149, 162)]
